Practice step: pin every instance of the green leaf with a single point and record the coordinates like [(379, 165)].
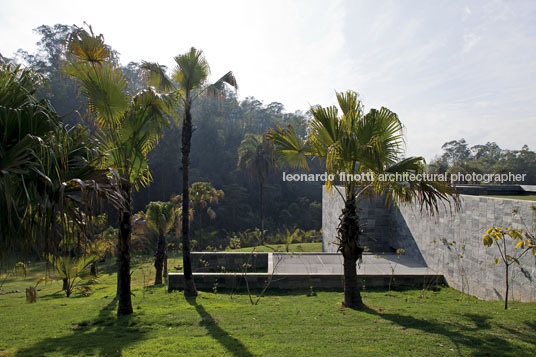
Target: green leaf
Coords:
[(487, 240)]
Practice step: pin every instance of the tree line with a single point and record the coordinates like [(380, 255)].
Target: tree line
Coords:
[(489, 158)]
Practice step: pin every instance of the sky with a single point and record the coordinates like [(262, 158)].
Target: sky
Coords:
[(449, 69)]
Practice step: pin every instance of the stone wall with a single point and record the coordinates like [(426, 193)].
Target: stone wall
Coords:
[(288, 281), (373, 216), (451, 244)]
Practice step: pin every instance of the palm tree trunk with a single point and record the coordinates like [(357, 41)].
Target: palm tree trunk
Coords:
[(349, 232), (201, 243), (261, 193), (123, 260), (159, 258), (189, 284), (165, 258)]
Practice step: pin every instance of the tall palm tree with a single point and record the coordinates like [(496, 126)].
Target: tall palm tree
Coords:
[(128, 128), (256, 155), (358, 143), (188, 81), (203, 195), (160, 217)]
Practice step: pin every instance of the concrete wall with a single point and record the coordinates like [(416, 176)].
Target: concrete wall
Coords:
[(287, 281), (452, 244)]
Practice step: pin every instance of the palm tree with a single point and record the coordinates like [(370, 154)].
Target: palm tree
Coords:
[(48, 173), (202, 195), (24, 123), (188, 81), (256, 155), (358, 143), (160, 217), (128, 128)]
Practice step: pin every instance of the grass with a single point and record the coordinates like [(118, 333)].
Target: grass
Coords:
[(294, 248), (408, 322), (518, 197)]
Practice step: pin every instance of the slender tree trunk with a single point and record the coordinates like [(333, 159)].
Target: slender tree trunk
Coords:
[(349, 232), (201, 242), (261, 194), (159, 258), (189, 284), (507, 287), (94, 269), (123, 258), (165, 258)]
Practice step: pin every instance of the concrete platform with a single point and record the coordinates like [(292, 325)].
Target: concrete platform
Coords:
[(319, 270), (331, 263)]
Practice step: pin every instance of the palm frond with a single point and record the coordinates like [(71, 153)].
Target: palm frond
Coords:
[(325, 127), (290, 149), (192, 69), (155, 75), (217, 89), (428, 195), (103, 86), (87, 47)]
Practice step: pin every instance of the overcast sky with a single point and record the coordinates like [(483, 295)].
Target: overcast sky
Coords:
[(450, 69)]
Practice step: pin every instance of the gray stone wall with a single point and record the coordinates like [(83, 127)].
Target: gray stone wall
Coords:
[(451, 244), (288, 281), (374, 217), (332, 205)]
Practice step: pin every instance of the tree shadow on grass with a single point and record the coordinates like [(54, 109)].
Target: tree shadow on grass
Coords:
[(231, 344), (527, 334), (105, 335), (489, 345), (480, 321)]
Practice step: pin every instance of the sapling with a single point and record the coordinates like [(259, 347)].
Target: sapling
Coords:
[(525, 241), (399, 252)]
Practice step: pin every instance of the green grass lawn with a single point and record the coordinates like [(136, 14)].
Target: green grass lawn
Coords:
[(409, 322), (294, 247), (516, 197)]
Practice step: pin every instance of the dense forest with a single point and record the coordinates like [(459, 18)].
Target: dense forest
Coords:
[(220, 125)]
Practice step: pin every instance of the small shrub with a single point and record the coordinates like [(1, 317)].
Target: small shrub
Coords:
[(69, 269)]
